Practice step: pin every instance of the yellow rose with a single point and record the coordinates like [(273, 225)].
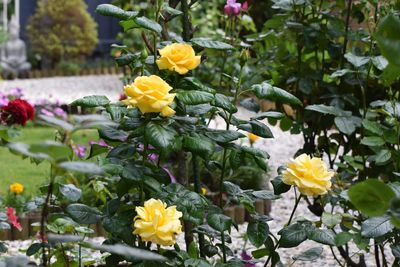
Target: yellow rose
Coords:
[(178, 57), (16, 188), (252, 138), (157, 223), (151, 95), (309, 175)]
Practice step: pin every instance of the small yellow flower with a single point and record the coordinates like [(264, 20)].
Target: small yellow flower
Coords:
[(252, 138), (203, 191), (309, 175), (178, 57), (16, 188), (151, 95), (157, 223)]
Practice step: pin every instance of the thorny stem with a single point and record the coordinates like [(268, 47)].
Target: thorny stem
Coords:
[(346, 34), (186, 23), (197, 189), (223, 247), (228, 123)]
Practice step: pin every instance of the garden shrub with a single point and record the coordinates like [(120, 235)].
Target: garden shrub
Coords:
[(62, 30), (143, 183)]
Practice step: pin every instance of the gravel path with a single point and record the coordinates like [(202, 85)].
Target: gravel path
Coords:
[(281, 149), (66, 89)]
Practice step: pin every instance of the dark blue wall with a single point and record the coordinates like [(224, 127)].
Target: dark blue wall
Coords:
[(108, 27)]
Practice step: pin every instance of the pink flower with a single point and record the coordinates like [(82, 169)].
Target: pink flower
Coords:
[(16, 93), (246, 257), (245, 6), (171, 176), (232, 8), (59, 112), (13, 219), (46, 112), (79, 150)]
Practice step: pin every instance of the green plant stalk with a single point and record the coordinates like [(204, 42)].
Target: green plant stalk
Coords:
[(197, 189), (186, 23), (223, 247), (288, 223), (346, 34), (228, 123), (65, 139)]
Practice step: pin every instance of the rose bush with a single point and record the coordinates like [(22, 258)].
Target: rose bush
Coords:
[(146, 183)]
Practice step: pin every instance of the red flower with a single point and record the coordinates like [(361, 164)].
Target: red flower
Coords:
[(13, 219), (17, 111)]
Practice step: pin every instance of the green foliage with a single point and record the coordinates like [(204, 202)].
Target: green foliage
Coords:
[(62, 30)]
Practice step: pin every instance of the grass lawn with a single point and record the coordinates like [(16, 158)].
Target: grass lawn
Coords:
[(15, 169)]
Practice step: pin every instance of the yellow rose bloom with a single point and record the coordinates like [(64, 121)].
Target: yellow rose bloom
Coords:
[(157, 223), (16, 188), (309, 175), (252, 138), (150, 94), (178, 57)]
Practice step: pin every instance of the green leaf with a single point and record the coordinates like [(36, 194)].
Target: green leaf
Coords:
[(257, 232), (114, 11), (220, 222), (96, 150), (23, 149), (54, 150), (83, 214), (223, 136), (3, 247), (192, 97), (259, 253), (159, 136), (129, 252), (279, 186), (356, 61), (376, 227), (373, 127), (54, 238), (340, 73), (269, 115), (70, 191), (388, 38), (127, 59), (324, 109), (198, 144), (323, 236), (265, 194), (372, 141), (191, 83), (54, 122), (91, 101), (292, 235), (395, 250), (311, 254), (347, 125), (383, 157), (171, 11), (343, 238), (258, 128), (207, 43), (267, 91), (330, 219), (372, 197), (141, 22), (222, 101), (82, 167), (380, 62), (33, 249)]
